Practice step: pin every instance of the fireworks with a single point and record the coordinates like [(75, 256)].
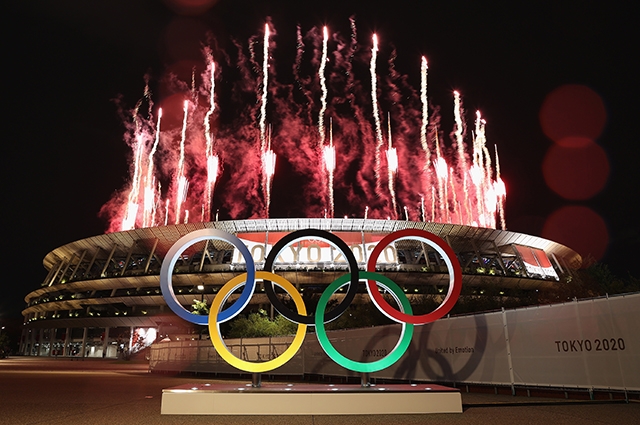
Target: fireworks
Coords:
[(149, 183), (428, 176), (182, 182), (329, 156), (392, 166), (269, 169), (376, 112), (265, 83), (212, 159), (323, 85), (425, 112)]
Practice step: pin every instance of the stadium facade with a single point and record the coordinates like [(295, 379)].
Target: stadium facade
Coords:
[(101, 296)]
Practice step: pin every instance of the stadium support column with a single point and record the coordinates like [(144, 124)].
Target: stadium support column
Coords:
[(105, 342), (23, 341), (52, 341), (151, 255), (501, 261), (521, 264), (66, 342), (426, 255), (40, 341), (364, 248), (33, 342), (83, 347)]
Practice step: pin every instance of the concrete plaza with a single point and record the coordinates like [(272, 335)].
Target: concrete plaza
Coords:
[(62, 391)]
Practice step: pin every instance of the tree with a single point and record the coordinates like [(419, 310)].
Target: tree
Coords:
[(4, 344), (258, 324), (200, 307)]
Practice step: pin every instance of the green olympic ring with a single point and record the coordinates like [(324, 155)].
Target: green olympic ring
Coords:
[(405, 335)]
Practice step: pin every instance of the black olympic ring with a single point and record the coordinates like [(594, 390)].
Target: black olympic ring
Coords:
[(300, 235)]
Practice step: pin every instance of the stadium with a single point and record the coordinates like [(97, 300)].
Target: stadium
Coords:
[(101, 296)]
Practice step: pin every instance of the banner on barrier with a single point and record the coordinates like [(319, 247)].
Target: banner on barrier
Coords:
[(587, 344)]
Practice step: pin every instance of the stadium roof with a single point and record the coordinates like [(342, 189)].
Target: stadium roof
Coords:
[(461, 238)]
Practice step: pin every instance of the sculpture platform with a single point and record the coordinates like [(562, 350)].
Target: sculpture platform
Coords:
[(309, 399)]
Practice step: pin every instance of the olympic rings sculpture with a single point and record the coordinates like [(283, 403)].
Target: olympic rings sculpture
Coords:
[(374, 280)]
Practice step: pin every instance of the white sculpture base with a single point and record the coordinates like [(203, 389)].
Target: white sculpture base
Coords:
[(309, 399)]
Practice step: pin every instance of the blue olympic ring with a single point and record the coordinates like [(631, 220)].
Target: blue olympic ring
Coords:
[(172, 257)]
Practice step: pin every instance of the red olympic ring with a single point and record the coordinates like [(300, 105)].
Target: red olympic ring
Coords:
[(455, 277)]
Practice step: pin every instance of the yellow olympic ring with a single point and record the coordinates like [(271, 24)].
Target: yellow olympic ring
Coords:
[(214, 325)]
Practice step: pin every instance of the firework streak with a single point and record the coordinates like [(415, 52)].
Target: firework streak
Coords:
[(228, 140)]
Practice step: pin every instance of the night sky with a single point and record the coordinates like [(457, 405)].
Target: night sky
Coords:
[(67, 60)]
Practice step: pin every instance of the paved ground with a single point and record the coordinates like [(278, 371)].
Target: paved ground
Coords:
[(61, 391)]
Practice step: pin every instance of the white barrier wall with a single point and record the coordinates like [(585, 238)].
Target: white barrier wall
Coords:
[(581, 344), (587, 344), (592, 343)]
